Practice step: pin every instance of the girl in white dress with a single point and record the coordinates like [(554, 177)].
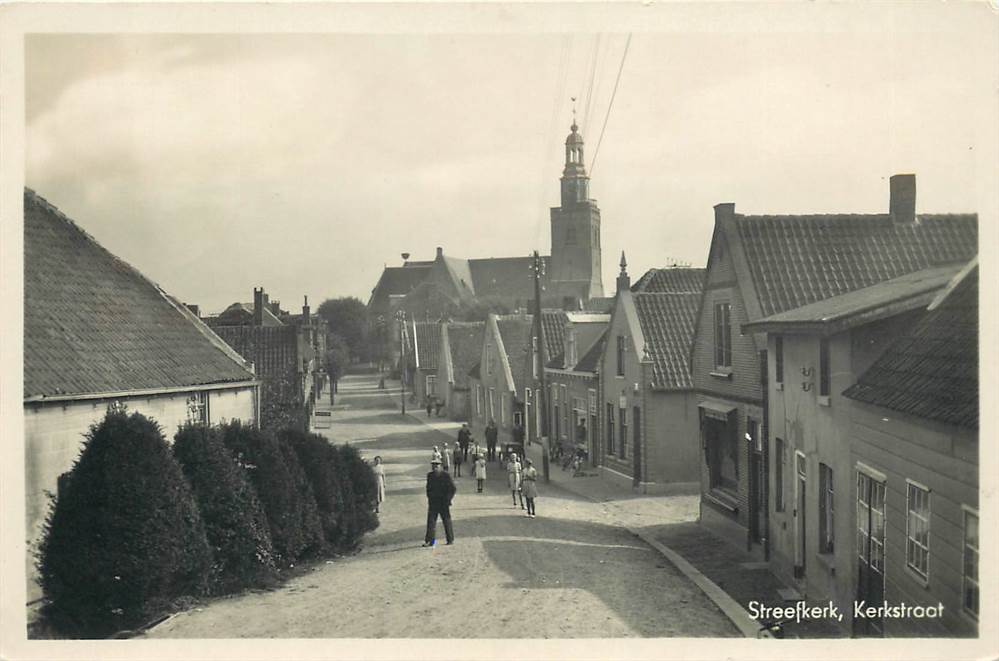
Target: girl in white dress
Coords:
[(379, 471), (513, 469)]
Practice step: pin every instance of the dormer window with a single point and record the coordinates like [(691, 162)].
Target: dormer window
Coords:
[(570, 348)]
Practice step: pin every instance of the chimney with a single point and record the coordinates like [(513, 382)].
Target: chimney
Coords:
[(440, 252), (902, 205), (274, 307), (195, 310), (724, 210), (306, 313), (258, 306), (623, 279)]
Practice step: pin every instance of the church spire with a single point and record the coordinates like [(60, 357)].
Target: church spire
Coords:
[(575, 183), (623, 279)]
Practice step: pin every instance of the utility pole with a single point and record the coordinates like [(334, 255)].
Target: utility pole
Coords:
[(541, 400), (400, 317)]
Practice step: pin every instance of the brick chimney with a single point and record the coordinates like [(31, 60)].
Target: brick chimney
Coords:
[(274, 307), (306, 312), (440, 252), (623, 279), (258, 306), (902, 204)]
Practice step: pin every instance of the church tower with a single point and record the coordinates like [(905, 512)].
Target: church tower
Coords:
[(575, 261)]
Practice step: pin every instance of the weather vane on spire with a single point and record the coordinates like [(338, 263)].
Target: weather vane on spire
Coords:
[(573, 110)]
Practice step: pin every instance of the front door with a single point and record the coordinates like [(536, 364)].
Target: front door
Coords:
[(636, 447), (870, 551), (757, 482), (593, 440), (799, 514)]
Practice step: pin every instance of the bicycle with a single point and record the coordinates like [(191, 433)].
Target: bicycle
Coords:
[(775, 629)]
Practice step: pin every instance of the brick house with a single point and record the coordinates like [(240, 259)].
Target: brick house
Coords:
[(572, 383), (816, 352), (914, 470), (285, 356), (97, 332), (649, 421), (761, 266), (460, 349)]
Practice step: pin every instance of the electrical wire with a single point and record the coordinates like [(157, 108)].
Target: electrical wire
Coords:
[(596, 151), (589, 90), (551, 136)]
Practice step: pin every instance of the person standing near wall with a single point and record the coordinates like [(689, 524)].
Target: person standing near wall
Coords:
[(491, 433), (457, 460)]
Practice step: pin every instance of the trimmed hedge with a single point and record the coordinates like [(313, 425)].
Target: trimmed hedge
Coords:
[(124, 539), (235, 522), (287, 499), (344, 486)]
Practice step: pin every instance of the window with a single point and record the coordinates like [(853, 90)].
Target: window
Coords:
[(535, 357), (489, 358), (917, 545), (824, 367), (492, 403), (620, 355), (197, 408), (558, 426), (431, 384), (753, 435), (779, 359), (592, 395), (720, 440), (780, 460), (827, 530), (503, 408), (723, 335), (624, 433), (478, 400), (610, 429), (969, 589), (570, 350), (565, 412)]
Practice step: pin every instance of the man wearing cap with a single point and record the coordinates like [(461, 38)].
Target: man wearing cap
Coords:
[(440, 492)]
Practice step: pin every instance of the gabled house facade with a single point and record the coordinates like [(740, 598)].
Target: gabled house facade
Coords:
[(501, 375), (459, 350), (84, 352), (815, 353), (914, 471), (425, 361), (648, 438), (758, 268), (572, 381)]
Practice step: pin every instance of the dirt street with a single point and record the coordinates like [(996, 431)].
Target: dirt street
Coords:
[(569, 573)]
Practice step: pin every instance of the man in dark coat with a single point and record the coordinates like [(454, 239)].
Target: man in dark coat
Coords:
[(491, 440), (440, 492), (464, 438)]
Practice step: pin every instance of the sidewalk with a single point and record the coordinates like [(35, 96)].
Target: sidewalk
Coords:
[(728, 575)]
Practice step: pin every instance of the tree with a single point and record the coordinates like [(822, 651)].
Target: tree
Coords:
[(124, 539), (348, 318), (337, 360)]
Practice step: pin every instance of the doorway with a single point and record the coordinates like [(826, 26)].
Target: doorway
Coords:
[(801, 536), (870, 551)]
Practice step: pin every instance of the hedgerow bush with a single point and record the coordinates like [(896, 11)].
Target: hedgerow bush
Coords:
[(287, 499), (344, 486), (364, 493), (234, 520), (124, 538)]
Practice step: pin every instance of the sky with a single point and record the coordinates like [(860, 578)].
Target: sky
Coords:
[(306, 163)]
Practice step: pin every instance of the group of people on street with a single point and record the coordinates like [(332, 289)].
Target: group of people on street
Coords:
[(446, 463)]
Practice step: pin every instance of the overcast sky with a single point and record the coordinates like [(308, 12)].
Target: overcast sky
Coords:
[(214, 164)]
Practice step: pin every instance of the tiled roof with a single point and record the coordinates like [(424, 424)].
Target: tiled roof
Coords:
[(591, 359), (399, 280), (667, 322), (516, 331), (465, 343), (797, 260), (93, 324), (239, 312), (506, 277), (428, 342), (673, 279), (553, 324), (931, 371), (831, 315)]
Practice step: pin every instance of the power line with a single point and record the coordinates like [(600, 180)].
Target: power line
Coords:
[(550, 137), (596, 151), (589, 90)]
